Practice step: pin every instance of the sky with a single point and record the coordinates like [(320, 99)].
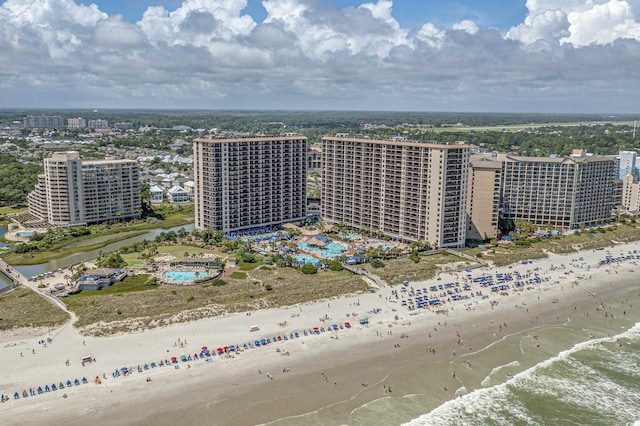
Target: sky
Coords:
[(560, 56)]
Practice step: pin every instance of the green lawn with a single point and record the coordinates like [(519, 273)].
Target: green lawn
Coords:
[(246, 266), (514, 127), (239, 275), (128, 285), (11, 210), (177, 251)]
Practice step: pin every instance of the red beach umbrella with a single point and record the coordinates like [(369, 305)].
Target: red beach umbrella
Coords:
[(204, 348), (347, 324), (220, 350), (315, 329)]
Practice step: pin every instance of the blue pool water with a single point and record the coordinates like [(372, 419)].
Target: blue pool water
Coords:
[(306, 259), (185, 275), (383, 246), (25, 233), (273, 236), (330, 251)]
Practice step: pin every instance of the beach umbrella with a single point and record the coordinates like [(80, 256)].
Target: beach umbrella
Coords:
[(232, 348), (347, 324), (220, 350), (204, 348), (226, 348), (315, 329), (124, 369)]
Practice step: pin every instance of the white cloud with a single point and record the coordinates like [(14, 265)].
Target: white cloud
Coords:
[(60, 25), (197, 22), (466, 26), (431, 35), (116, 33), (369, 29), (564, 55), (549, 25), (579, 22)]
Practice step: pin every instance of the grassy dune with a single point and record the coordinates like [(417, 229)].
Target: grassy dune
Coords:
[(23, 308)]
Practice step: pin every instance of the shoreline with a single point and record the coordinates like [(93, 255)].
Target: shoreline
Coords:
[(222, 390)]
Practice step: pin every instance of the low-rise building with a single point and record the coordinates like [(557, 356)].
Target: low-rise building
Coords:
[(178, 195), (156, 194)]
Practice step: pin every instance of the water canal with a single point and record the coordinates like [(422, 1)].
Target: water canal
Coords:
[(54, 264)]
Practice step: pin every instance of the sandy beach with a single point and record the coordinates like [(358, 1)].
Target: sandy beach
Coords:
[(415, 357)]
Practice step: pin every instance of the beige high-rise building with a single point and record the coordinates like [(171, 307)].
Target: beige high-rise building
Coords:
[(565, 192), (631, 192), (75, 192), (483, 197), (248, 183), (409, 190)]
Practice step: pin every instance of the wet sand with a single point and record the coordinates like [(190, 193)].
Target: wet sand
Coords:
[(325, 381)]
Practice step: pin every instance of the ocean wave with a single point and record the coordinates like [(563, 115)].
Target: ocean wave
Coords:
[(586, 382)]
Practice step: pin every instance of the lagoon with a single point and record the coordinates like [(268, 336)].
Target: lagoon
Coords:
[(55, 264)]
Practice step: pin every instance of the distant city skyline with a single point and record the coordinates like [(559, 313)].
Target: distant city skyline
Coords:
[(560, 56)]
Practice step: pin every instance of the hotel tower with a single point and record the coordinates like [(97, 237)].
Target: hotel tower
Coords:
[(247, 183)]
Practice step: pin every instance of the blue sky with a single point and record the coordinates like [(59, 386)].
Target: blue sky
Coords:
[(409, 55), (501, 14)]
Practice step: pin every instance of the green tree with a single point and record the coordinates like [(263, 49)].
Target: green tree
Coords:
[(309, 269), (377, 263), (335, 266)]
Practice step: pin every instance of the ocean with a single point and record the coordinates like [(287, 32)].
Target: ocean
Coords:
[(596, 382)]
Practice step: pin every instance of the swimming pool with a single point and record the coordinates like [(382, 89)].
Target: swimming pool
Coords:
[(329, 251), (25, 233), (300, 258), (185, 275), (383, 246)]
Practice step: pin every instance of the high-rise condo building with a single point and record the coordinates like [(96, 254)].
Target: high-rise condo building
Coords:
[(44, 121), (409, 190), (77, 123), (628, 161), (483, 197), (75, 192), (247, 183), (567, 192), (630, 192), (98, 124)]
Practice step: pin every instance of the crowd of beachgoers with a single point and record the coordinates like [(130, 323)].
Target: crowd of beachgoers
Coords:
[(468, 290)]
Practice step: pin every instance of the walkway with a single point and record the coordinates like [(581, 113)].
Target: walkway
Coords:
[(19, 279), (376, 279)]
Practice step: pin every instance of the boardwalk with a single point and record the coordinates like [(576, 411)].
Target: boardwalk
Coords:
[(21, 280)]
